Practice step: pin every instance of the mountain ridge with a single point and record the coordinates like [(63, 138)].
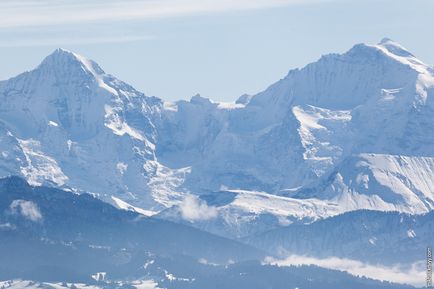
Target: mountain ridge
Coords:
[(350, 131)]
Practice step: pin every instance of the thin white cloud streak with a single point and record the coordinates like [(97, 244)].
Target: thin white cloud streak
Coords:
[(46, 13), (53, 41), (413, 274)]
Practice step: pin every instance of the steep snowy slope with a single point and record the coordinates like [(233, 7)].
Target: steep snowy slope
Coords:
[(377, 181), (354, 130), (372, 99), (349, 131), (71, 125), (239, 213)]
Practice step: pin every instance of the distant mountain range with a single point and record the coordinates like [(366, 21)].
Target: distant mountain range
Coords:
[(352, 132)]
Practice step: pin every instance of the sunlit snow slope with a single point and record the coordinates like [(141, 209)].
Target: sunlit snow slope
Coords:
[(347, 132)]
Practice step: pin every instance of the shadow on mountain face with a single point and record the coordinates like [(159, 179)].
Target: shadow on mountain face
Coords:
[(79, 234), (52, 235)]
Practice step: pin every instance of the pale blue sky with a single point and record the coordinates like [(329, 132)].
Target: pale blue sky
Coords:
[(221, 49)]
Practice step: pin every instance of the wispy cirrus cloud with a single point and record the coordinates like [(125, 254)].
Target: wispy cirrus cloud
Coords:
[(82, 39), (25, 13), (30, 23)]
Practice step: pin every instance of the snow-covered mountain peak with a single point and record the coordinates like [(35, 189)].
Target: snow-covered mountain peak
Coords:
[(69, 121), (65, 89), (345, 81), (386, 53), (62, 59), (394, 47), (391, 53), (72, 124)]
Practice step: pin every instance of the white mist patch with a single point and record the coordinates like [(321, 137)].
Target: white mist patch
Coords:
[(413, 274), (27, 209), (122, 167), (194, 209)]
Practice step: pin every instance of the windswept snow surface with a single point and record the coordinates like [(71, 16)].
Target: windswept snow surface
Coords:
[(350, 131)]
